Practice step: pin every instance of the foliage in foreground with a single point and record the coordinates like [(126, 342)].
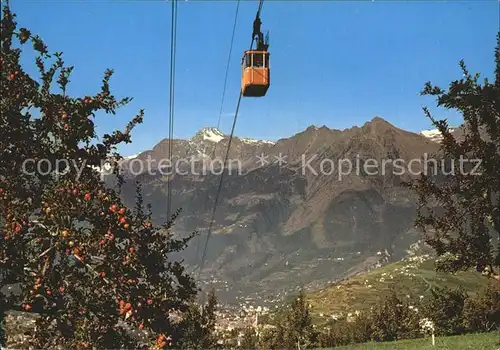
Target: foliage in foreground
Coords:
[(461, 205), (92, 268)]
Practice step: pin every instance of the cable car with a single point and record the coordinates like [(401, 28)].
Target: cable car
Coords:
[(255, 75), (255, 78)]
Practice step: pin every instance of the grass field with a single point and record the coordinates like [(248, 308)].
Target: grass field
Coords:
[(485, 341), (414, 278)]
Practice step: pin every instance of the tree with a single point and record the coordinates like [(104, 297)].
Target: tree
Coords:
[(249, 339), (89, 266), (391, 319), (198, 326), (295, 328), (459, 211)]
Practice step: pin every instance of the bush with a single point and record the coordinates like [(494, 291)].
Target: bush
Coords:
[(446, 309), (341, 332), (482, 314)]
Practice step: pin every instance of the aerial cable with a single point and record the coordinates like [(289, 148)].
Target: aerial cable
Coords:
[(228, 61), (173, 37), (220, 185), (224, 164), (222, 101), (260, 8)]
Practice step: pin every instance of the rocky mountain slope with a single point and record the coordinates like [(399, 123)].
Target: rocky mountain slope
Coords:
[(313, 208)]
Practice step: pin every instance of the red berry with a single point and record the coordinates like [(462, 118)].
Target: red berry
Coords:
[(87, 196)]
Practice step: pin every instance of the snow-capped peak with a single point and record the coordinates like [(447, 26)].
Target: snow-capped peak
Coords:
[(215, 135), (131, 157), (433, 134), (253, 141), (211, 134)]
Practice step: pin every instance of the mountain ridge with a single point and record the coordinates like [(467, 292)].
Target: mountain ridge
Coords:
[(215, 135)]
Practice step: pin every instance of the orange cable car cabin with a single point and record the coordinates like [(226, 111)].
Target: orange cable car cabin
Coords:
[(255, 78)]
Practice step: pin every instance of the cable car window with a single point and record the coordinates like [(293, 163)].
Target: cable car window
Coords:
[(258, 60), (248, 60), (266, 61)]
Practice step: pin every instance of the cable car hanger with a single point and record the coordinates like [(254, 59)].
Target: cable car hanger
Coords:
[(262, 45), (255, 80)]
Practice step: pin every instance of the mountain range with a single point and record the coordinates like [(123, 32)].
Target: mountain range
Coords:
[(290, 214)]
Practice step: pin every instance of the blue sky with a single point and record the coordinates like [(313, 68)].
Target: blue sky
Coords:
[(333, 63)]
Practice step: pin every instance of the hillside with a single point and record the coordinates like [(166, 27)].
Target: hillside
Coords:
[(413, 276)]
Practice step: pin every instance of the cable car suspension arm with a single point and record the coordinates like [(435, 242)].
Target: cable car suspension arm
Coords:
[(262, 45)]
